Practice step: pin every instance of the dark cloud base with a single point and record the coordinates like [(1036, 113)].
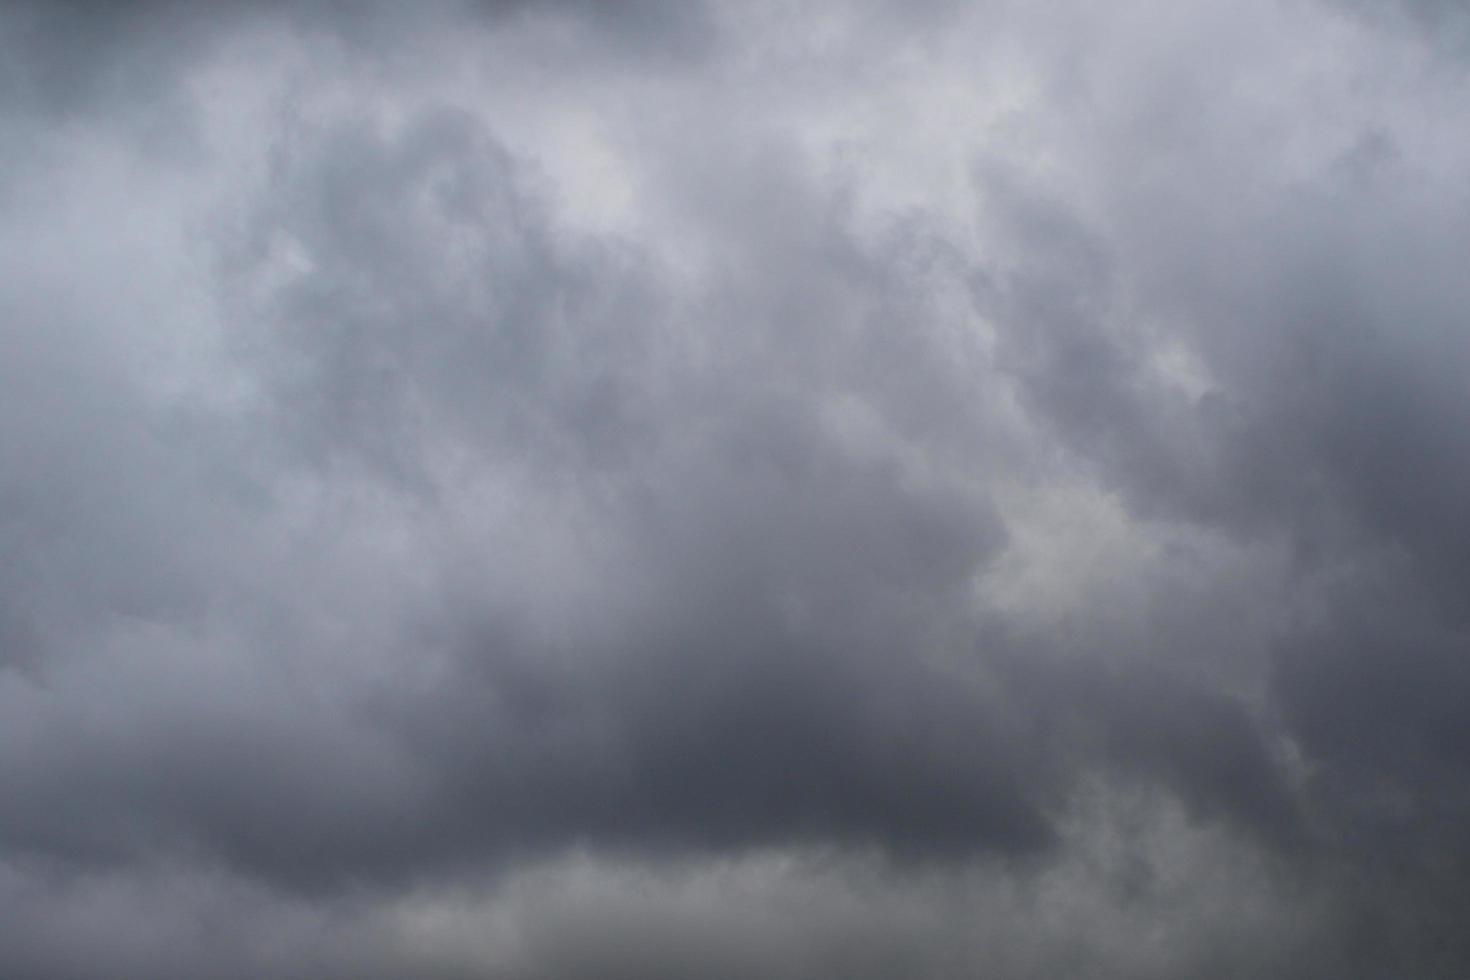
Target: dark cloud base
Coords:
[(522, 490)]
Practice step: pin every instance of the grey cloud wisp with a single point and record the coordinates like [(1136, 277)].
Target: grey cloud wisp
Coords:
[(516, 490)]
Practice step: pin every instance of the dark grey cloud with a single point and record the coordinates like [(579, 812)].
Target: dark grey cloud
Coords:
[(746, 701), (519, 490), (1327, 322)]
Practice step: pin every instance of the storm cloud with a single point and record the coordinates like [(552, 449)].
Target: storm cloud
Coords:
[(576, 489)]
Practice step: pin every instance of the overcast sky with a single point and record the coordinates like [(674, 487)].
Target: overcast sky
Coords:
[(716, 490)]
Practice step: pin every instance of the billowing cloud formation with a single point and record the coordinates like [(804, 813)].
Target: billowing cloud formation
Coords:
[(520, 490)]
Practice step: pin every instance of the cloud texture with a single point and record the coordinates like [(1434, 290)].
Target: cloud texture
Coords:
[(521, 490)]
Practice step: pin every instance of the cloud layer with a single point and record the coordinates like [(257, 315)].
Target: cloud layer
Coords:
[(519, 490)]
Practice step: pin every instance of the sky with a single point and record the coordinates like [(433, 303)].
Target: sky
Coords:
[(521, 490)]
